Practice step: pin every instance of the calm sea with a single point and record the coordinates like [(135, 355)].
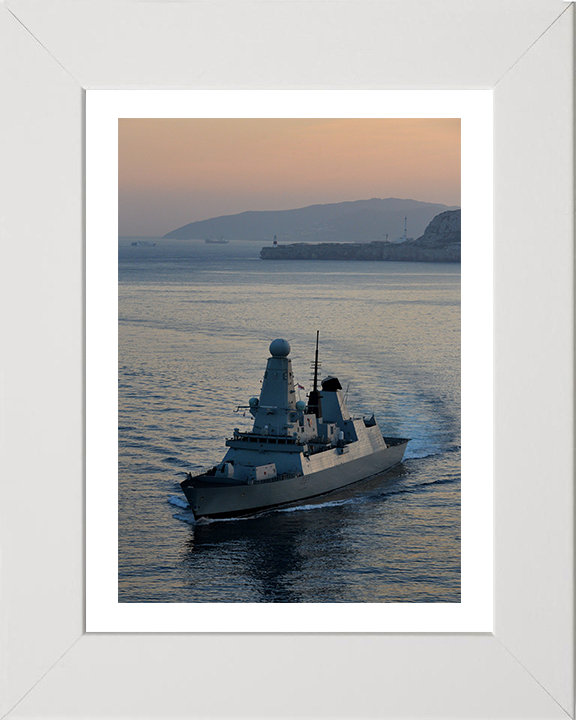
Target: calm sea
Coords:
[(195, 322)]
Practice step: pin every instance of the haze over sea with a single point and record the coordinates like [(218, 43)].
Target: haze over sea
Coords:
[(195, 323)]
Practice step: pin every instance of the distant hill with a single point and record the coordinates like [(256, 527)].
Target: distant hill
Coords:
[(444, 231), (440, 243), (359, 221)]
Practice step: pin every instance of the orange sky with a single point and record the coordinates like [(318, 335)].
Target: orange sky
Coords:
[(175, 171)]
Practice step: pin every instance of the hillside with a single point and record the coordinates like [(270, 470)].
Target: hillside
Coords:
[(443, 231), (359, 221), (439, 243)]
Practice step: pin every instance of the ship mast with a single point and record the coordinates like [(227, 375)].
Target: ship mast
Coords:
[(314, 397), (316, 362)]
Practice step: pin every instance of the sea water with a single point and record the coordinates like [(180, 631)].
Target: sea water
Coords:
[(195, 323)]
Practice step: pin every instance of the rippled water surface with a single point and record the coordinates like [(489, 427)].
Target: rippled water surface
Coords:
[(195, 322)]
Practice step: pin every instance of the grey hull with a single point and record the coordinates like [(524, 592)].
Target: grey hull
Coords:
[(324, 474)]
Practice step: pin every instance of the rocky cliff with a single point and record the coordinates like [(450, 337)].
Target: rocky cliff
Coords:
[(443, 231), (439, 243)]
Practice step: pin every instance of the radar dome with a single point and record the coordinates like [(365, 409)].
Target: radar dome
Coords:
[(279, 348), (253, 402), (300, 405)]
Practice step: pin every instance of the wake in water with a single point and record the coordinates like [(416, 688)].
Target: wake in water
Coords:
[(421, 454), (319, 505), (180, 502), (185, 518), (188, 517)]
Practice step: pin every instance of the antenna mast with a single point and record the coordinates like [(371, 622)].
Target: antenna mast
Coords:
[(314, 397), (315, 388)]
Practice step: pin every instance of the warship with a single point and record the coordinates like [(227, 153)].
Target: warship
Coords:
[(295, 450)]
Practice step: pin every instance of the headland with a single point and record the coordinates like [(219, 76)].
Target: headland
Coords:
[(440, 242)]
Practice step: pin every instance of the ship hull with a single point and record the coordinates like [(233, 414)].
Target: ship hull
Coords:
[(322, 474)]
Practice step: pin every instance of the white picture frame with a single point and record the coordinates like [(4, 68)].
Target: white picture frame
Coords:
[(104, 613), (55, 50)]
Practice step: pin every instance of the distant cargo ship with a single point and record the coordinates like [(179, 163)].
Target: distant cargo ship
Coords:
[(219, 241), (143, 243)]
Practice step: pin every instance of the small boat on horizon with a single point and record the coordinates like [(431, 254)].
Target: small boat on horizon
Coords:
[(219, 241), (295, 450)]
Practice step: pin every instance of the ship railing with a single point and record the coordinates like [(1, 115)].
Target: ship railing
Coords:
[(288, 475), (272, 439), (210, 472), (276, 478)]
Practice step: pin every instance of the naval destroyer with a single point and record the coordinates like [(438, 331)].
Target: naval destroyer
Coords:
[(295, 450)]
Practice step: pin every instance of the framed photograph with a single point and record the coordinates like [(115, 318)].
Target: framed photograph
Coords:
[(424, 125), (59, 658)]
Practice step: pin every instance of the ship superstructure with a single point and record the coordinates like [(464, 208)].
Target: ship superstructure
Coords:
[(295, 450)]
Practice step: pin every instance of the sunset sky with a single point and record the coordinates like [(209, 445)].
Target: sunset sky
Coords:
[(175, 171)]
